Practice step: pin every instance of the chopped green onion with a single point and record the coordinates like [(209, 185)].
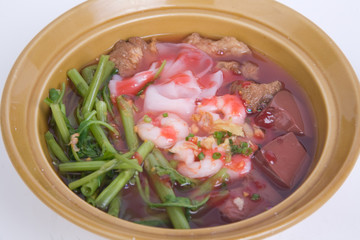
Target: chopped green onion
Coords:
[(157, 74), (218, 136), (216, 155), (201, 156), (143, 89), (189, 136), (147, 119), (165, 114), (255, 197), (244, 148)]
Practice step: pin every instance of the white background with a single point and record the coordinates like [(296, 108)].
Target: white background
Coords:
[(23, 216)]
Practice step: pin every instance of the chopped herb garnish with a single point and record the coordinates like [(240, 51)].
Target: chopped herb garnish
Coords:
[(255, 197), (243, 148), (143, 89), (189, 136), (199, 144), (157, 74), (147, 119), (220, 136), (165, 114), (216, 155), (201, 156)]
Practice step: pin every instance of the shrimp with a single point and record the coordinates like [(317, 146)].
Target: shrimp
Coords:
[(165, 130), (199, 169), (238, 166), (196, 162), (221, 113), (202, 157)]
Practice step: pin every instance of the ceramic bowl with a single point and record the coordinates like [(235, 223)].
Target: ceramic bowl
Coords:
[(90, 29)]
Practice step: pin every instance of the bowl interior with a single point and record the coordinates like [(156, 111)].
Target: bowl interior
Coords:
[(302, 49)]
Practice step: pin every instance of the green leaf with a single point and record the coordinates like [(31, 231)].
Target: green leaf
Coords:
[(180, 202), (201, 156), (243, 148), (54, 94), (174, 176)]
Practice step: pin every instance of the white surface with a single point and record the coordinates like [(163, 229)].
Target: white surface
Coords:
[(23, 216)]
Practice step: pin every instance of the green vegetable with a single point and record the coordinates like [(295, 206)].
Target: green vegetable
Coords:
[(83, 145), (216, 155), (85, 166), (95, 84), (78, 81), (55, 148), (147, 119), (106, 98), (165, 114), (255, 197), (157, 74), (89, 188), (221, 135), (101, 137), (84, 125), (115, 206), (201, 156), (91, 199), (55, 102), (165, 192), (103, 169), (108, 194), (173, 201), (174, 176), (243, 148), (101, 111), (88, 73), (163, 167), (206, 187), (189, 136), (127, 119)]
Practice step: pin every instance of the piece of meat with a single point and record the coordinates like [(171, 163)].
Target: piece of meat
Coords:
[(230, 65), (132, 56), (250, 70), (254, 196), (283, 160), (282, 113), (256, 95), (226, 46)]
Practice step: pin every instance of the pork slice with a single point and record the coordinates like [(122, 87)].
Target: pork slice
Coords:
[(132, 56), (282, 113), (226, 46), (283, 160), (250, 70), (256, 95), (232, 66)]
